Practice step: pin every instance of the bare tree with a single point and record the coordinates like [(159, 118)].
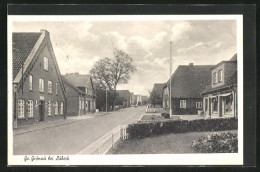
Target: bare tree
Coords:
[(109, 72)]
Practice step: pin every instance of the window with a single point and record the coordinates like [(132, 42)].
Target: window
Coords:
[(20, 108), (61, 108), (79, 104), (183, 104), (49, 108), (167, 103), (82, 104), (94, 105), (30, 82), (86, 104), (45, 63), (86, 90), (215, 104), (50, 87), (41, 85), (198, 104), (215, 77), (30, 108), (56, 108), (56, 88), (220, 76)]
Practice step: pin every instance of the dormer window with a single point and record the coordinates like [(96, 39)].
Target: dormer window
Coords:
[(220, 77), (86, 90), (215, 77), (45, 63)]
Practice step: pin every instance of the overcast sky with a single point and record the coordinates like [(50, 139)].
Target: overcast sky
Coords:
[(78, 45)]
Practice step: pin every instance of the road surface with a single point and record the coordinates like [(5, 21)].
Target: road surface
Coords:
[(71, 138)]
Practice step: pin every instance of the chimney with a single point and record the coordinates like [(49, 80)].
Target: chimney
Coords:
[(191, 64), (45, 32)]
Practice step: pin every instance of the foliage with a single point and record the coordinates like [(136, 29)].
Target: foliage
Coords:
[(141, 130), (101, 99), (165, 115), (155, 98), (216, 143)]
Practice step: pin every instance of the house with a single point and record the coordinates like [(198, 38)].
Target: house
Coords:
[(220, 96), (157, 94), (139, 100), (187, 82), (38, 91), (124, 98), (81, 94)]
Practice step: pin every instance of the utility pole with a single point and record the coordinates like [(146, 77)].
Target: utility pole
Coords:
[(170, 97)]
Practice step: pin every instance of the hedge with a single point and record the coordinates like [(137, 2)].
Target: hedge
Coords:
[(142, 130)]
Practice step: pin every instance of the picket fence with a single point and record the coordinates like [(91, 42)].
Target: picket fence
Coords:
[(106, 142)]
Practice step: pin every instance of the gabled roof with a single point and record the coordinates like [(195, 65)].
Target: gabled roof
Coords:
[(78, 80), (158, 87), (72, 86), (23, 43), (189, 81), (234, 58), (123, 93)]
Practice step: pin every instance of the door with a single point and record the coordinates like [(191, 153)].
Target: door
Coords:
[(41, 110), (88, 106)]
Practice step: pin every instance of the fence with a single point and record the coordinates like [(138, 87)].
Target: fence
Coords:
[(154, 110), (106, 142)]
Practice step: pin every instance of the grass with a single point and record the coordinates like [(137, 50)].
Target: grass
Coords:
[(164, 144)]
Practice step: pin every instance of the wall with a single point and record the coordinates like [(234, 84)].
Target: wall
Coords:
[(37, 71), (190, 106)]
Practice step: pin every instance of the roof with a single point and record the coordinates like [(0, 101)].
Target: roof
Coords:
[(189, 81), (234, 58), (158, 87), (123, 93), (23, 43), (71, 85), (78, 80)]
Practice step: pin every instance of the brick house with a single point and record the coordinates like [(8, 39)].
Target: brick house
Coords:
[(220, 96), (124, 97), (38, 90), (188, 81), (158, 91), (81, 97)]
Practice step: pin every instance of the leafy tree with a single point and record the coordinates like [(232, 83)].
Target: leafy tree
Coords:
[(109, 72), (155, 98)]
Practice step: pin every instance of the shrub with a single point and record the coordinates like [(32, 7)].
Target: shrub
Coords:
[(165, 115), (216, 143), (142, 130)]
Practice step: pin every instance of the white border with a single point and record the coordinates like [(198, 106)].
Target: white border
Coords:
[(154, 159)]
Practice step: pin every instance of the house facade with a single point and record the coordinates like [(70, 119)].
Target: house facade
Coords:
[(124, 98), (220, 96), (38, 91), (187, 82), (81, 94)]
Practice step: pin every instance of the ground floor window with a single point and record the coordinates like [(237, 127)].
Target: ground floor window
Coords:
[(61, 108), (182, 103), (228, 100), (82, 104), (94, 105), (215, 104), (167, 103), (198, 105), (49, 108), (56, 108), (30, 108), (206, 104), (20, 108), (79, 104)]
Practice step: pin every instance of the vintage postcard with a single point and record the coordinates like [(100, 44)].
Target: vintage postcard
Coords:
[(125, 90)]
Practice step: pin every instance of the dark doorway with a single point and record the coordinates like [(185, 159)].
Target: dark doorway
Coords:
[(88, 106), (41, 110)]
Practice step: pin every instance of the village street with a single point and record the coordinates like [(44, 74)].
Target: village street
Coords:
[(74, 137)]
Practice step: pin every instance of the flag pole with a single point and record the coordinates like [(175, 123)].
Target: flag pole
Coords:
[(170, 97)]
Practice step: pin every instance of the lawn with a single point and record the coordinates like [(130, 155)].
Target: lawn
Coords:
[(163, 144)]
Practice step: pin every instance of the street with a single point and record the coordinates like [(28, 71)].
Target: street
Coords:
[(71, 138)]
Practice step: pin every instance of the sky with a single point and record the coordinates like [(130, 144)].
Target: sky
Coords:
[(79, 44)]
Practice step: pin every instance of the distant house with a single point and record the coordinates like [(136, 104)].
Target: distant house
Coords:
[(38, 90), (139, 100), (124, 98), (144, 100), (132, 99), (220, 96), (157, 94), (188, 81), (81, 100)]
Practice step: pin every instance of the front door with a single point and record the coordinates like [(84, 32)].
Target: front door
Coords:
[(41, 110)]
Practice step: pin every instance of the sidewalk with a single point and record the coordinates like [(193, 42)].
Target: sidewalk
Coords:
[(54, 123)]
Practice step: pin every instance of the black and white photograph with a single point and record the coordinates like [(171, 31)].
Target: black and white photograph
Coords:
[(125, 90)]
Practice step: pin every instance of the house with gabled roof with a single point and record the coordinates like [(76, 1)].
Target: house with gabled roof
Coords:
[(220, 95), (187, 82), (81, 94), (38, 91)]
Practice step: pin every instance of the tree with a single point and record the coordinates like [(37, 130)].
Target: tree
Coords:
[(109, 72), (155, 98)]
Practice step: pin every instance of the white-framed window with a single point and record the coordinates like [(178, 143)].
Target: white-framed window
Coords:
[(56, 108), (20, 108), (61, 108), (220, 77), (198, 105), (50, 87), (31, 82), (167, 103), (90, 105), (86, 104), (215, 77), (56, 88), (49, 108), (82, 104), (94, 105), (41, 84), (86, 90), (182, 103), (45, 63), (30, 108), (79, 104)]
